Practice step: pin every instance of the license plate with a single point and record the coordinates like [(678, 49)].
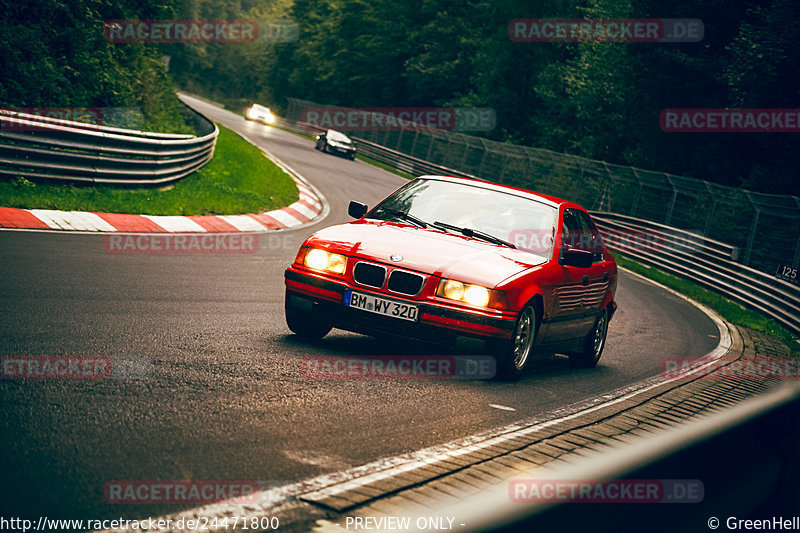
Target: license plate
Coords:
[(381, 306)]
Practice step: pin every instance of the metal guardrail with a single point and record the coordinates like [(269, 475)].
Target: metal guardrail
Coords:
[(704, 261), (43, 147), (708, 262)]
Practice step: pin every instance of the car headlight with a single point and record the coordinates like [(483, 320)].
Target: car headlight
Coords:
[(270, 119), (327, 261), (463, 292)]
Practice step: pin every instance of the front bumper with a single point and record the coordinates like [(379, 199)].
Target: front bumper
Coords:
[(324, 297), (342, 150)]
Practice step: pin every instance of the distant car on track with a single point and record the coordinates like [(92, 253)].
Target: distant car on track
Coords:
[(445, 256), (336, 142), (259, 113)]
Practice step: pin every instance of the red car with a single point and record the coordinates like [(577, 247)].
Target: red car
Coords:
[(444, 256)]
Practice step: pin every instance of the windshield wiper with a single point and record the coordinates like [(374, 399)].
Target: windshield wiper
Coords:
[(396, 213), (474, 233)]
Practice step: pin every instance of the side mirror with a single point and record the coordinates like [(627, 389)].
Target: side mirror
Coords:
[(576, 258), (357, 209)]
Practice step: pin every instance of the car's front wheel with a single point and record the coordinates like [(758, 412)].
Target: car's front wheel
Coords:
[(307, 325), (593, 345), (512, 356)]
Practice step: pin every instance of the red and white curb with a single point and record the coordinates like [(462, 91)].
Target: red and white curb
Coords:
[(309, 207)]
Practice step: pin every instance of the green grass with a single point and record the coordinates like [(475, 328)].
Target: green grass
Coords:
[(728, 309), (238, 180)]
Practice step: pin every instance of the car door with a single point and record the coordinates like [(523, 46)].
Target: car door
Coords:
[(569, 317), (598, 274)]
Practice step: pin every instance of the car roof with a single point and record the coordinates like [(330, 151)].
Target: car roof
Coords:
[(335, 134), (544, 198)]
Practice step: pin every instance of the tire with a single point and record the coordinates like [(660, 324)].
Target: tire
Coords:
[(306, 325), (593, 345), (512, 356)]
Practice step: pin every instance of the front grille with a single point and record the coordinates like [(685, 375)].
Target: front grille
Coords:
[(405, 282), (368, 274)]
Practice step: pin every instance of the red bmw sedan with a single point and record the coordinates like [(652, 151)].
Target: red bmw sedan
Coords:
[(444, 256)]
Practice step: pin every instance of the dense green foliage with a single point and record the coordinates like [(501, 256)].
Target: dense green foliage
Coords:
[(600, 100), (238, 180), (595, 99), (53, 54)]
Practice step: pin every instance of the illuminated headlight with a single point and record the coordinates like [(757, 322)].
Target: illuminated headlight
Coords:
[(322, 260), (471, 294), (270, 118)]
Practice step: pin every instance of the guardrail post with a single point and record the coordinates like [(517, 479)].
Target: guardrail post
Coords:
[(672, 202), (752, 237), (430, 146), (635, 205), (412, 151), (796, 260), (483, 159)]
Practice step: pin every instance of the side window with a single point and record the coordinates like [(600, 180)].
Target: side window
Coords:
[(591, 240), (571, 230)]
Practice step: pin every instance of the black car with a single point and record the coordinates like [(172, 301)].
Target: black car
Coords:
[(336, 143)]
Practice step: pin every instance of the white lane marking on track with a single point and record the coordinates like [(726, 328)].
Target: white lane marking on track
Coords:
[(501, 407)]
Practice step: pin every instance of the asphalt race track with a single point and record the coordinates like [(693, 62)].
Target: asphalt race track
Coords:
[(220, 393)]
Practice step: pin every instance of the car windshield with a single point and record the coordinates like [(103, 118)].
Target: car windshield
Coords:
[(336, 136), (523, 222)]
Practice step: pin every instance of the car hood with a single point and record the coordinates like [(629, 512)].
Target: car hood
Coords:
[(426, 250)]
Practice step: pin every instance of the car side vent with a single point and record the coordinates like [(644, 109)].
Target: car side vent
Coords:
[(369, 274), (405, 282)]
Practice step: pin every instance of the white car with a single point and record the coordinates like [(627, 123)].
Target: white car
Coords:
[(259, 113)]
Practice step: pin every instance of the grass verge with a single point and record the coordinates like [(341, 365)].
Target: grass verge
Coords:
[(238, 180), (728, 309)]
